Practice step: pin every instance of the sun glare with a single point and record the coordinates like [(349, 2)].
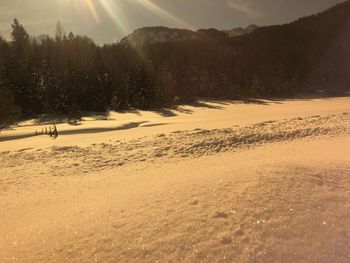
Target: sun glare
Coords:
[(150, 5), (113, 10), (92, 9), (80, 7)]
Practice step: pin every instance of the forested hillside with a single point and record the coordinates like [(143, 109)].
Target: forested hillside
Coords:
[(69, 73)]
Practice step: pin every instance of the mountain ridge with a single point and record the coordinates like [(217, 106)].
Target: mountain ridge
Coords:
[(161, 34), (272, 61)]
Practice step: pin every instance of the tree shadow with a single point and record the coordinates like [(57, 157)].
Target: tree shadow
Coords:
[(154, 125), (209, 103), (97, 116), (45, 119), (164, 112), (215, 104), (255, 101), (183, 110), (132, 111), (204, 104), (8, 125), (223, 102)]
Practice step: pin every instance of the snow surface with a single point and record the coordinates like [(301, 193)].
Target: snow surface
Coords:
[(265, 181)]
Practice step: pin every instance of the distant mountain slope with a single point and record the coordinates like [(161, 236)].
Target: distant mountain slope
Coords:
[(159, 66), (152, 35), (239, 31), (313, 48), (278, 60)]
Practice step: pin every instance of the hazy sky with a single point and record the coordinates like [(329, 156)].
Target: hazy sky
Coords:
[(110, 20)]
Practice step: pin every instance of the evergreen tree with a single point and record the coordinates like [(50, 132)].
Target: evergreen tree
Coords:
[(141, 89), (21, 73), (8, 109), (69, 73)]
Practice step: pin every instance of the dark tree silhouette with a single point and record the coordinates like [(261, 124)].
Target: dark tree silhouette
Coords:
[(69, 73)]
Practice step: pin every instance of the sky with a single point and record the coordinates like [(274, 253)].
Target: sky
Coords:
[(108, 21)]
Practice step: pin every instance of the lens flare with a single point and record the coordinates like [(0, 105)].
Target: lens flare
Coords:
[(161, 12), (92, 9), (80, 7), (114, 12)]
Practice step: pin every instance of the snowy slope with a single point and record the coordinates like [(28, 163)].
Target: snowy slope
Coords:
[(260, 187)]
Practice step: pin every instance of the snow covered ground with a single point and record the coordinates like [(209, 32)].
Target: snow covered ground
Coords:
[(265, 181)]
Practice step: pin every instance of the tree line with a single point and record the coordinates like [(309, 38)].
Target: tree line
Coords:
[(69, 73)]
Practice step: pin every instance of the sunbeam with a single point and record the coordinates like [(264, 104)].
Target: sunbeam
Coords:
[(80, 7), (161, 12), (113, 11), (92, 9)]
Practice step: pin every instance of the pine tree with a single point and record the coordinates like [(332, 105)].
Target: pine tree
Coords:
[(21, 80), (8, 109)]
